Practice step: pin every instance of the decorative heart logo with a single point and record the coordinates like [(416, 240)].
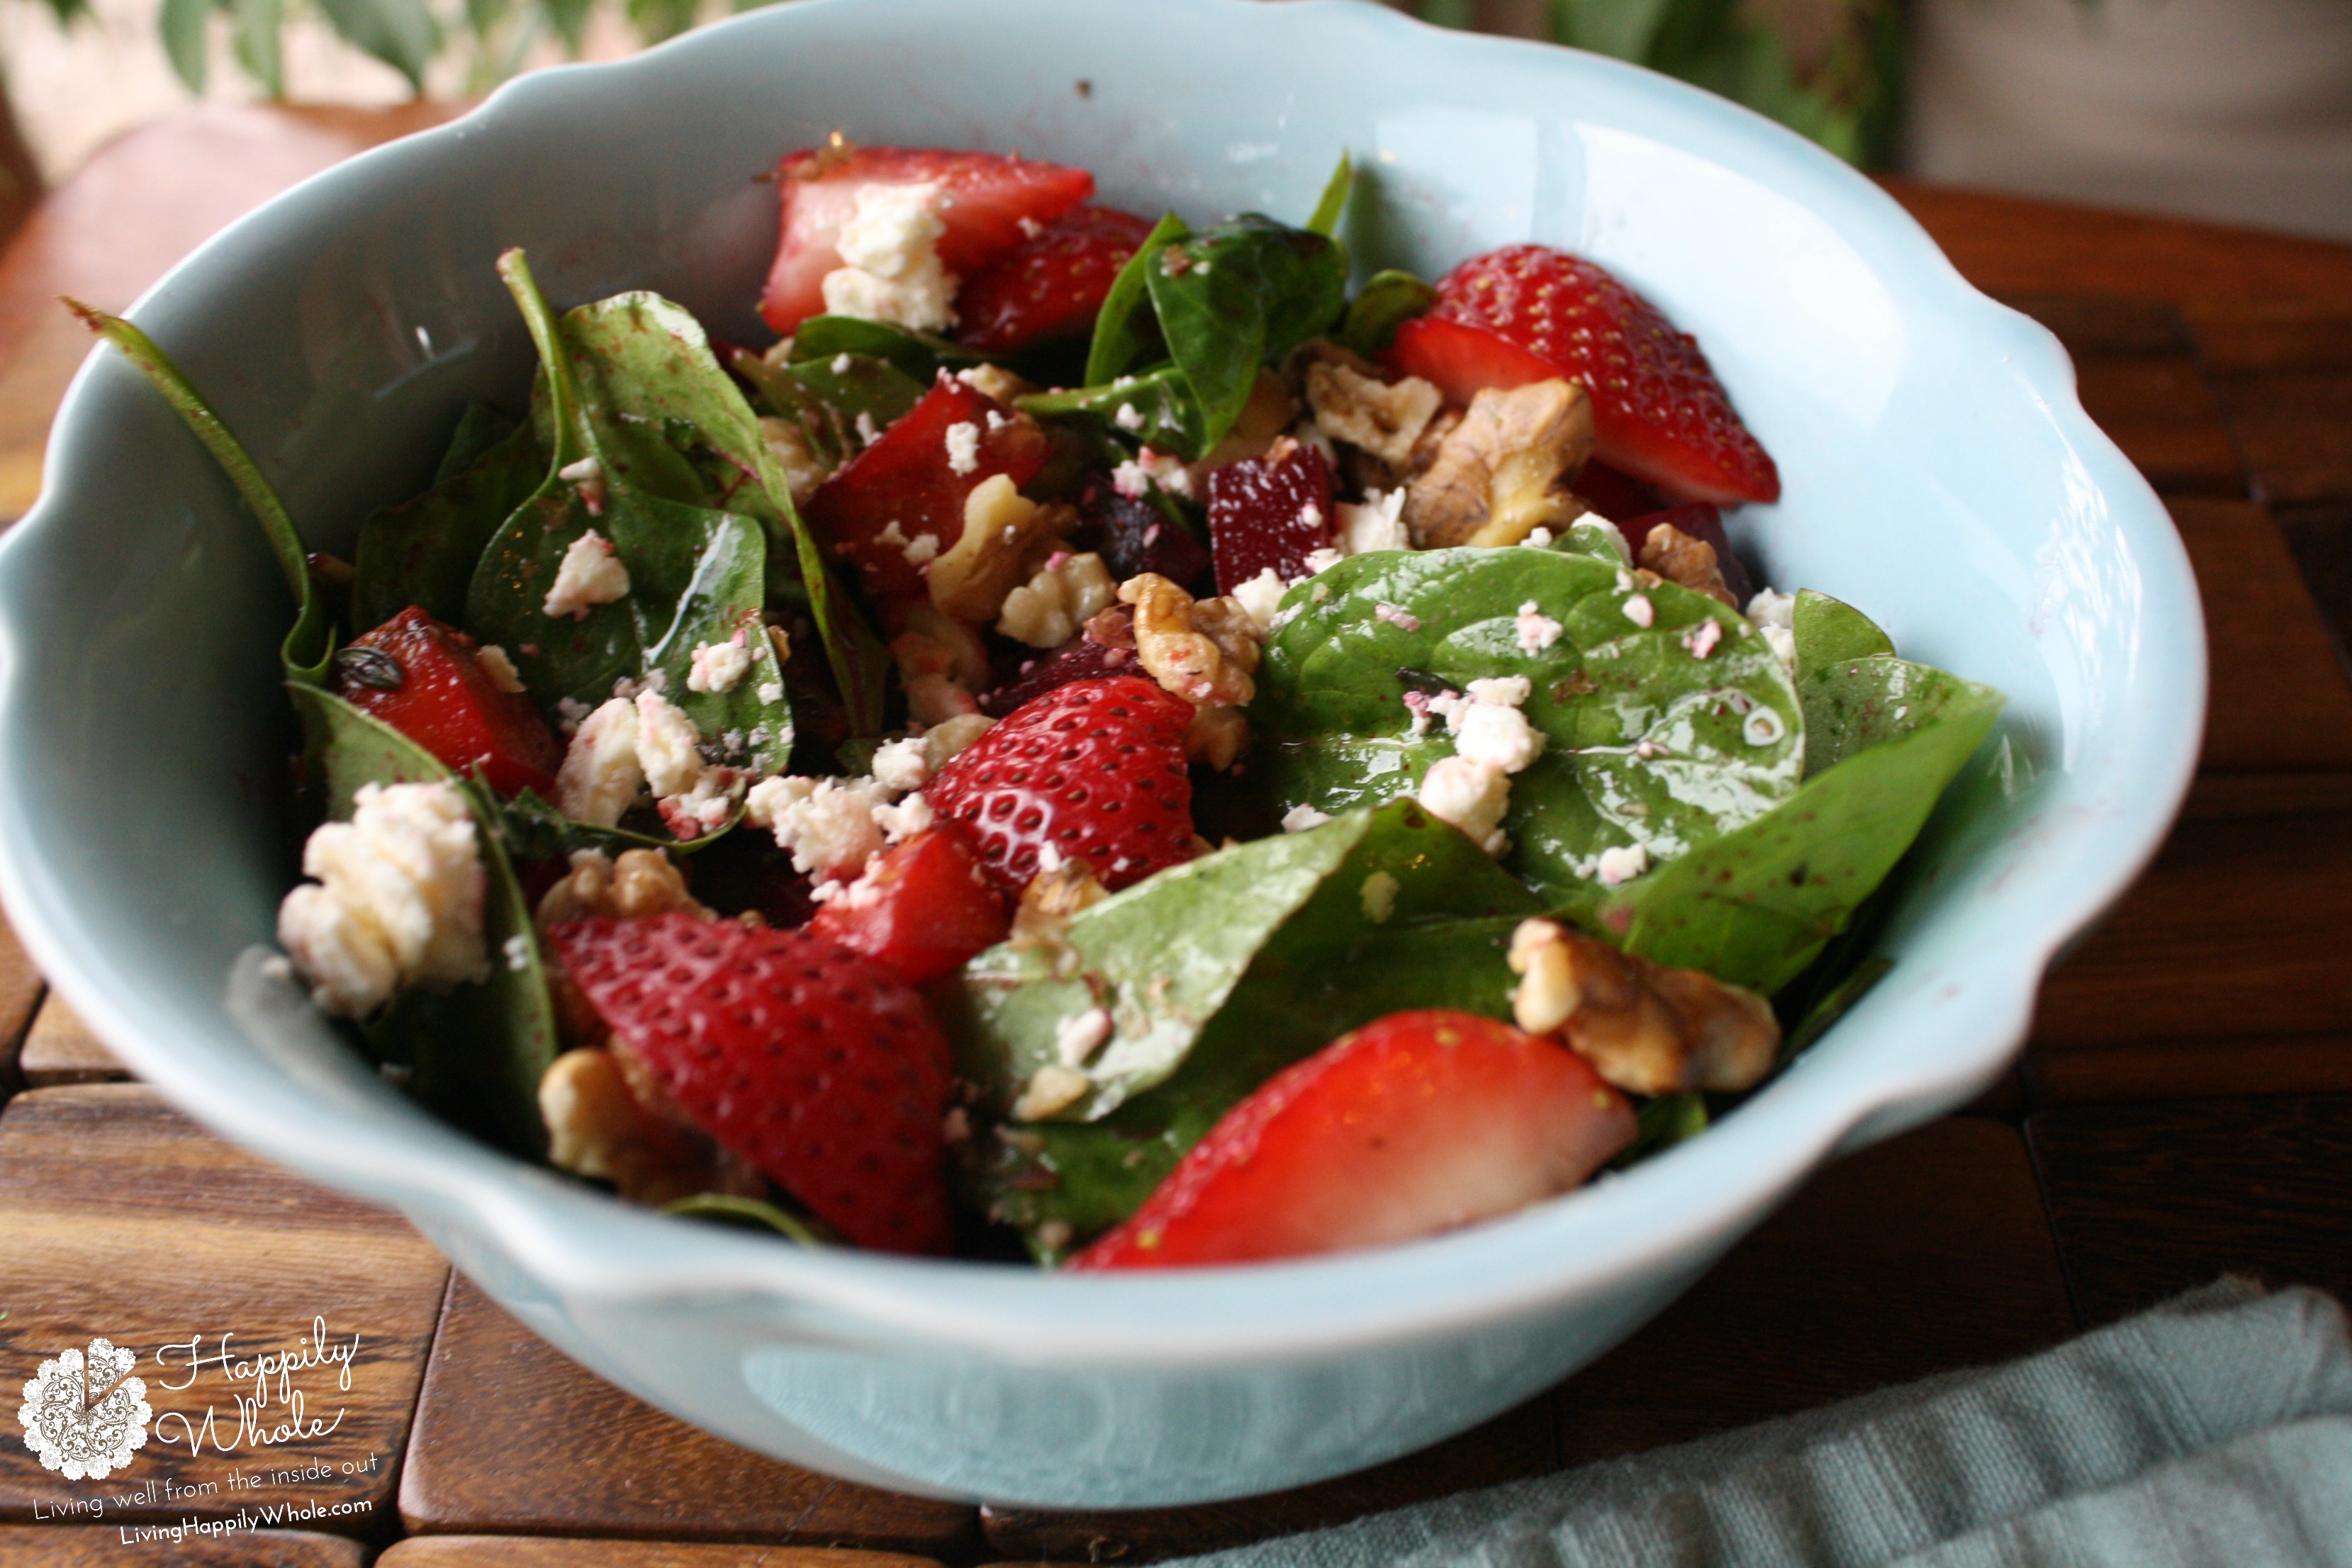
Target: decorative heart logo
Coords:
[(84, 1413)]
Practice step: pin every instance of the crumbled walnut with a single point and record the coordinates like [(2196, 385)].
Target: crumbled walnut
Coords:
[(1384, 418), (1005, 535), (1678, 558), (1067, 592), (1203, 652), (1051, 1088), (638, 886), (1645, 1027), (944, 740), (598, 1126), (1493, 476), (804, 471), (936, 699), (1217, 737), (994, 381)]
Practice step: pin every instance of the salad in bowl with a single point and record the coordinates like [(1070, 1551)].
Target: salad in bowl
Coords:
[(1100, 742)]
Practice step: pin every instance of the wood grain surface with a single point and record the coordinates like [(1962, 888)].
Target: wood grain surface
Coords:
[(526, 1552), (91, 1546), (20, 996), (119, 1217), (512, 1437), (59, 1048)]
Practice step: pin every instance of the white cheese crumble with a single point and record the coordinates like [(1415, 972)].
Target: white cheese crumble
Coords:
[(1498, 736), (903, 820), (498, 668), (1080, 1036), (1401, 619), (1473, 796), (891, 269), (397, 900), (1775, 615), (1639, 610), (1259, 598), (720, 666), (1321, 560), (1621, 863), (1537, 631), (1378, 524), (667, 745), (589, 575), (1129, 480), (902, 765), (1700, 640), (826, 825), (963, 448), (516, 951), (769, 692), (1299, 818), (1129, 417), (601, 773), (921, 549)]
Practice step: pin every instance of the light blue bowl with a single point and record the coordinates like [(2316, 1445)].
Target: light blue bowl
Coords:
[(1939, 473)]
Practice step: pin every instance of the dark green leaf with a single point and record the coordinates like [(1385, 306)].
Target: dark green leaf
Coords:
[(917, 354), (479, 428), (658, 20), (401, 33), (1123, 327), (1333, 204), (1646, 740), (570, 20), (1166, 415), (1389, 300), (1661, 1122), (184, 27), (258, 32), (424, 552), (1241, 295), (1856, 704), (863, 394), (1835, 1005), (1828, 630), (532, 829), (729, 1208)]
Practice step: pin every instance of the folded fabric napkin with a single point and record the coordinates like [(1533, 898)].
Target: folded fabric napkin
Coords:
[(2214, 1429)]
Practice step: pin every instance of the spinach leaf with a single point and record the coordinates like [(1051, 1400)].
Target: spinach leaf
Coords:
[(423, 551), (696, 575), (1827, 630), (533, 829), (1243, 294), (1333, 203), (309, 645), (479, 428), (1661, 1122), (1755, 905), (1647, 741), (1215, 981), (476, 1050), (918, 355), (863, 393), (1170, 419), (730, 1208), (1388, 300), (1124, 332), (1854, 704)]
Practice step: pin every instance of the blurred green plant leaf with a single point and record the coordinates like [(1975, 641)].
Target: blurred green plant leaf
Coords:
[(183, 27), (401, 33), (258, 31)]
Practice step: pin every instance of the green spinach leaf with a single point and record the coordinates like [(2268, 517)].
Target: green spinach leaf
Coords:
[(918, 355), (1165, 416), (1388, 300), (1648, 741), (423, 551), (1828, 630), (1243, 294), (1124, 332), (1333, 204)]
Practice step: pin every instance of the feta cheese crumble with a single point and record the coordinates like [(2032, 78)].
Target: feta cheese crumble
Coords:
[(397, 900), (902, 765), (667, 745), (1401, 619), (825, 824), (1701, 639), (720, 666), (1377, 523), (601, 773), (891, 269), (589, 575), (1299, 818), (498, 668), (1473, 796), (1639, 610), (1080, 1036), (1775, 615), (963, 448), (1259, 598), (1621, 863), (1537, 631)]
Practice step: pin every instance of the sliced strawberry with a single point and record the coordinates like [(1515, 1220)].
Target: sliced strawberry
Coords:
[(906, 486), (988, 199), (1051, 286), (1700, 521), (1136, 537), (428, 681), (1093, 771), (923, 907), (1273, 510), (1416, 1123), (819, 1066), (1659, 413)]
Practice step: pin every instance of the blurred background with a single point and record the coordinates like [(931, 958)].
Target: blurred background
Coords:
[(2234, 109)]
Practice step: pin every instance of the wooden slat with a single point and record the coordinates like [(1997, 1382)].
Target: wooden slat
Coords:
[(2148, 1200), (62, 1049), (2107, 326), (2295, 428), (119, 1217), (2280, 700), (72, 1546), (511, 1439), (20, 994), (528, 1552), (2244, 336), (1925, 1253), (1514, 1444), (2321, 540), (2159, 410)]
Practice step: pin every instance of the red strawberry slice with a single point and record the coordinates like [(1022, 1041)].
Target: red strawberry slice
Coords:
[(988, 198), (1415, 1123), (1051, 286), (819, 1066), (1273, 510), (1528, 312), (1093, 769), (923, 907), (905, 486), (428, 681)]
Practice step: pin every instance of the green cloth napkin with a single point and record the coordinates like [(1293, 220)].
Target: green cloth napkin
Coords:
[(2214, 1429)]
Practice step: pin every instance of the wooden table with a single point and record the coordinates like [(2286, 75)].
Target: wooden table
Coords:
[(2185, 1106)]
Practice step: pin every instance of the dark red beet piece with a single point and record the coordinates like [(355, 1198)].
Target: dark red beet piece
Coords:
[(1086, 656), (1138, 537), (1613, 495), (1272, 510)]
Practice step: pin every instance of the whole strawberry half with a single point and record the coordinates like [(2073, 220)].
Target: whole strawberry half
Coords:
[(923, 907), (1415, 1123), (906, 486), (987, 199), (1273, 510), (427, 680), (1051, 286), (1093, 769), (1528, 312), (819, 1066)]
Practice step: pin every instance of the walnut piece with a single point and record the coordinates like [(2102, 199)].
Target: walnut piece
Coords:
[(1382, 417), (1067, 591), (1645, 1027), (1205, 651), (599, 1126), (1005, 536), (1217, 737), (1678, 558), (638, 886), (1497, 476)]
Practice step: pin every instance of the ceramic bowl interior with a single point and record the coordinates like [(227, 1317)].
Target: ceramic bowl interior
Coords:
[(1938, 473)]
